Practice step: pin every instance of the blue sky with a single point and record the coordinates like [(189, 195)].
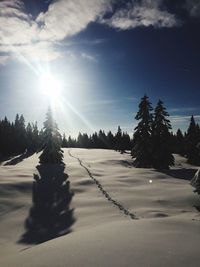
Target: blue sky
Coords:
[(106, 53)]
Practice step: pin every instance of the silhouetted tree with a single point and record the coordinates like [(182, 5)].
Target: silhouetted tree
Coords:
[(142, 140), (192, 140), (179, 143), (50, 215), (95, 140), (102, 140), (125, 142), (110, 140), (71, 142), (162, 154), (64, 141), (32, 137), (118, 140), (20, 134), (52, 152)]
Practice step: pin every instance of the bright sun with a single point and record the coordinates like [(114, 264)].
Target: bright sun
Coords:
[(50, 86)]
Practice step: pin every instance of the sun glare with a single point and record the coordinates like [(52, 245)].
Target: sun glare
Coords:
[(50, 86)]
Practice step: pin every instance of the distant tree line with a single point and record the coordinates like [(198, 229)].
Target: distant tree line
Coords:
[(188, 144), (151, 145), (16, 137), (120, 141)]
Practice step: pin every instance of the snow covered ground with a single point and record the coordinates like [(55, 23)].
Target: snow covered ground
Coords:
[(124, 216)]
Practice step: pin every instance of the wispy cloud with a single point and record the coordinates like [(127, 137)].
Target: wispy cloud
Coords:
[(142, 13), (183, 119), (35, 39), (66, 18), (181, 110), (103, 102), (88, 57), (22, 35)]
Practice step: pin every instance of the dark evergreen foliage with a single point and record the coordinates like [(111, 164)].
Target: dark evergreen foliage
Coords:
[(52, 152), (32, 137), (121, 141), (50, 215), (179, 143), (118, 139), (16, 138), (110, 140), (161, 138), (192, 143), (64, 141), (142, 139)]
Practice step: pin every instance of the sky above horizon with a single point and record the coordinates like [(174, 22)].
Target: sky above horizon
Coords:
[(106, 54)]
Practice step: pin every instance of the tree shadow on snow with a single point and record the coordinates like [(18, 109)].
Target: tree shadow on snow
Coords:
[(183, 174), (19, 158), (50, 215), (124, 163)]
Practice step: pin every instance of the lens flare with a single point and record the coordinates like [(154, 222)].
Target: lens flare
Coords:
[(50, 87)]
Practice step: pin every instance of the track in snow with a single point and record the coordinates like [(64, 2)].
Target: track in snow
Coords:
[(104, 192)]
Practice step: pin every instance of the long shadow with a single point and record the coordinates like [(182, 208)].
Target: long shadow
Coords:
[(183, 174), (19, 158), (50, 215), (4, 158), (124, 163)]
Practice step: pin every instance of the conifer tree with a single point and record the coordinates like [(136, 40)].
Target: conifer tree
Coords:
[(192, 140), (52, 152), (118, 139), (71, 142), (126, 142), (102, 140), (142, 142), (110, 140), (50, 215), (20, 134), (162, 154), (180, 143), (64, 141)]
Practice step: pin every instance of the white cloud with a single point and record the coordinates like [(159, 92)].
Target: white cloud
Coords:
[(66, 17), (24, 36), (16, 27), (144, 13)]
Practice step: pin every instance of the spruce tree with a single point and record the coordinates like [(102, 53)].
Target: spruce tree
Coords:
[(179, 143), (52, 152), (64, 141), (162, 154), (192, 140), (118, 139), (110, 140), (142, 142), (50, 215)]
